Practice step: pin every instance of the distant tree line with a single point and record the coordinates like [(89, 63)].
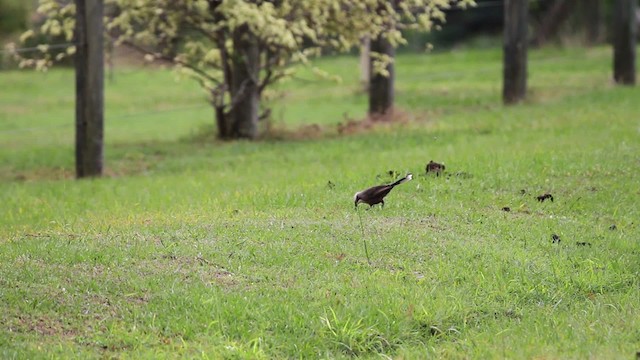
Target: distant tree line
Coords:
[(13, 16), (583, 21)]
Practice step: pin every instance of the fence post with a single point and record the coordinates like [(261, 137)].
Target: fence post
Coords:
[(592, 19), (381, 88), (365, 57), (624, 42), (89, 64), (515, 51)]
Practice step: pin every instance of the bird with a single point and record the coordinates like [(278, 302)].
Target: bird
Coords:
[(433, 166), (375, 195), (544, 197)]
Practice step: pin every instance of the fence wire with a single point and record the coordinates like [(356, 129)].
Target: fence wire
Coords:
[(116, 119), (479, 5), (109, 119), (37, 48)]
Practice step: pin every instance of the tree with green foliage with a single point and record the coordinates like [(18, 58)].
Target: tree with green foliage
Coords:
[(237, 49), (13, 16)]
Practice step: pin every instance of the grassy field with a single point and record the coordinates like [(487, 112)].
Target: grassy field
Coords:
[(253, 250)]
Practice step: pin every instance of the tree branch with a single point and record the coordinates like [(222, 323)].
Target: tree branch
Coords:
[(173, 61)]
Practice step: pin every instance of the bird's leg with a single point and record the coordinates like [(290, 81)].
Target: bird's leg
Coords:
[(382, 204)]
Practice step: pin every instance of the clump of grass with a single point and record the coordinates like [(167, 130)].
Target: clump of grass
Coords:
[(352, 336)]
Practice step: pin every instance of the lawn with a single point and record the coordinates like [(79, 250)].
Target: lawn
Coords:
[(194, 248)]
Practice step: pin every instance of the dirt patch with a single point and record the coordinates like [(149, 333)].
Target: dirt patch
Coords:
[(352, 126), (44, 326), (305, 132), (42, 173), (348, 126)]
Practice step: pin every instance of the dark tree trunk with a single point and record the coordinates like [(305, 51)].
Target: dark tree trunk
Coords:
[(592, 19), (624, 42), (245, 95), (381, 88), (515, 51), (89, 64), (553, 19), (222, 121)]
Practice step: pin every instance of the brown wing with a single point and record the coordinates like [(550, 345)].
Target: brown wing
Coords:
[(375, 194), (382, 190)]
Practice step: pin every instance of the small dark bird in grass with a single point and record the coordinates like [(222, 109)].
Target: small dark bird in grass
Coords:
[(544, 197), (375, 195), (433, 166)]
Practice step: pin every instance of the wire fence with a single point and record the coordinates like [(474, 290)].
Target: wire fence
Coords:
[(121, 118), (41, 47), (145, 115), (479, 5)]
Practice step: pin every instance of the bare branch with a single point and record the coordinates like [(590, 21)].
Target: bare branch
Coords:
[(172, 60)]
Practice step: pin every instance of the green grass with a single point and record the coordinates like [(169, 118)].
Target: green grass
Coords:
[(243, 250)]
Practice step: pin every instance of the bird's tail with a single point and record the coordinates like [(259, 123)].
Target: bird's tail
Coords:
[(404, 179)]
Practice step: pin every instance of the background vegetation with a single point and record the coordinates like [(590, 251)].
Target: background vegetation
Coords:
[(13, 16)]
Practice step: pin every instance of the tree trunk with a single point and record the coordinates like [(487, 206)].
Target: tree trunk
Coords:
[(89, 64), (222, 121), (592, 19), (515, 51), (245, 94), (381, 88), (553, 19), (624, 42)]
